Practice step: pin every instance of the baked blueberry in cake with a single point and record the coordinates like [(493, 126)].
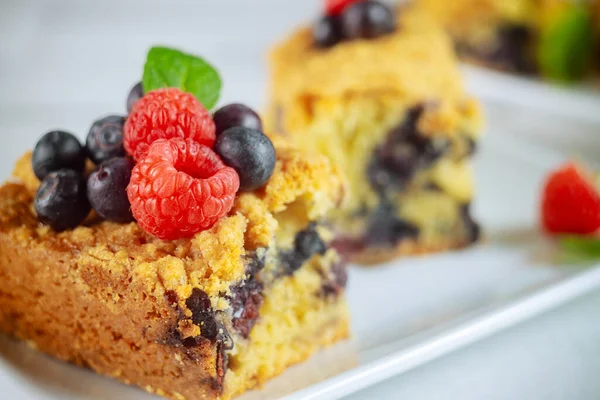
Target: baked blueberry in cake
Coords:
[(549, 38), (181, 251), (379, 92)]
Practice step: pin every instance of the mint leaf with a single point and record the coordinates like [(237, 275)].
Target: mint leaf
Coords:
[(579, 248), (172, 68)]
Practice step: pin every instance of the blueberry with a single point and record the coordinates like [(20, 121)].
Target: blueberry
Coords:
[(308, 243), (105, 140), (61, 201), (367, 20), (513, 49), (107, 190), (386, 229), (136, 93), (327, 31), (245, 301), (202, 313), (234, 115), (250, 153), (55, 151)]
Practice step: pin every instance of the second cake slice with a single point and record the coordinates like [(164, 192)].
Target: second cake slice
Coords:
[(392, 112)]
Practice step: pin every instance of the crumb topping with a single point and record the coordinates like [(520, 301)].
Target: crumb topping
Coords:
[(210, 261), (416, 61)]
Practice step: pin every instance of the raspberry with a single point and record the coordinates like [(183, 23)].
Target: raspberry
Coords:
[(335, 7), (570, 202), (180, 188), (165, 114)]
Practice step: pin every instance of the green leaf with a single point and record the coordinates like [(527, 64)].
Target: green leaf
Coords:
[(565, 47), (579, 248), (172, 68)]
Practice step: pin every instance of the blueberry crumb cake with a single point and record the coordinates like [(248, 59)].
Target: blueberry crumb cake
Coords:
[(183, 252), (379, 92)]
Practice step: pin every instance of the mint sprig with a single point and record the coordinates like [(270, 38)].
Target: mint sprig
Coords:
[(172, 68), (579, 248)]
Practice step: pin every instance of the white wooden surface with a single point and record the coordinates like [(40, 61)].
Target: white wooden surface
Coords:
[(64, 63)]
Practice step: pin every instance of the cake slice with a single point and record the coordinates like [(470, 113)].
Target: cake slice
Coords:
[(195, 318), (549, 38), (386, 103), (181, 251)]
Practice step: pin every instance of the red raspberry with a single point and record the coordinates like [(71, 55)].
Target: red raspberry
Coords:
[(335, 7), (165, 114), (570, 202), (180, 189)]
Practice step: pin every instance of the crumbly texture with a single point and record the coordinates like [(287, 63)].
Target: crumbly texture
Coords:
[(416, 61), (296, 322), (342, 104), (112, 298)]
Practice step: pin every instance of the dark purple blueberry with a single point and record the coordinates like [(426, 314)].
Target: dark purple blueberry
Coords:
[(400, 158), (107, 190), (327, 31), (61, 201), (386, 229), (405, 151), (55, 151), (367, 20), (105, 140), (136, 93), (250, 153), (308, 243), (202, 313), (513, 49), (246, 299), (234, 115)]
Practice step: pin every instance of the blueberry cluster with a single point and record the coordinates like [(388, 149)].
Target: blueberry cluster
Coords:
[(66, 197), (242, 145), (362, 20), (405, 151)]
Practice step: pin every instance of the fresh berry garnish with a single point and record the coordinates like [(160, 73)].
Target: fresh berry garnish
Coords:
[(55, 151), (105, 140), (236, 115), (165, 114), (250, 153), (61, 201), (570, 202), (327, 31), (367, 20), (135, 94), (180, 188), (107, 190), (335, 7)]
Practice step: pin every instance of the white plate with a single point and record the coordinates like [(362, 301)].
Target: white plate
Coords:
[(579, 100), (407, 312)]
